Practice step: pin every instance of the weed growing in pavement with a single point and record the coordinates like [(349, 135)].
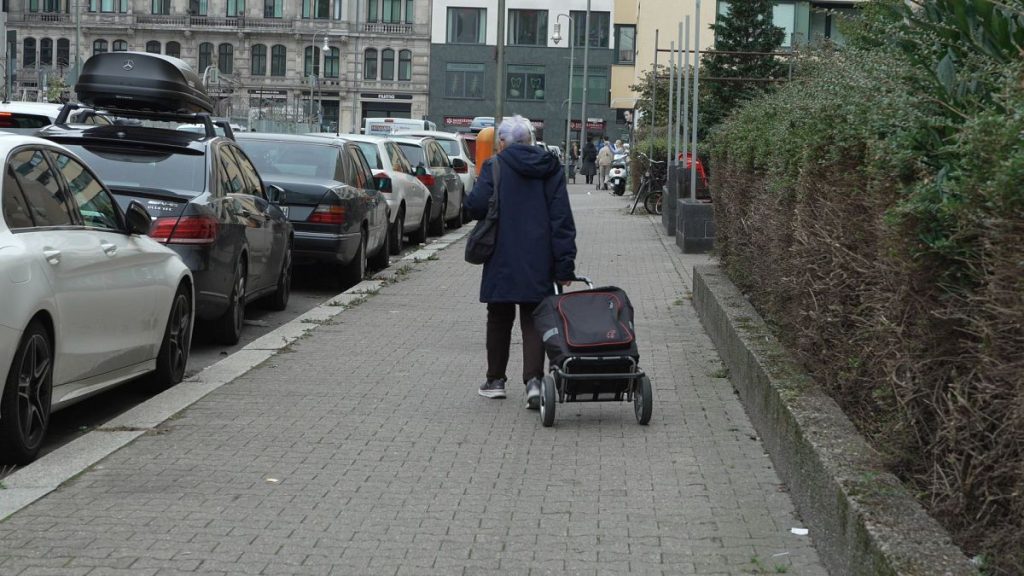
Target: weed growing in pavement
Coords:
[(722, 372)]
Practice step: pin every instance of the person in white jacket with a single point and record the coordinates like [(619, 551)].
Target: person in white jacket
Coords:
[(604, 164)]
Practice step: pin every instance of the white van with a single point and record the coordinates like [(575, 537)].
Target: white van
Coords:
[(389, 126)]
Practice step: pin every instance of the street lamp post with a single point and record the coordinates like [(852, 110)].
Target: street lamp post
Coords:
[(586, 80), (557, 37), (317, 72)]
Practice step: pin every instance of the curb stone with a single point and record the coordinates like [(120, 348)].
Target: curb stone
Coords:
[(32, 482), (864, 521)]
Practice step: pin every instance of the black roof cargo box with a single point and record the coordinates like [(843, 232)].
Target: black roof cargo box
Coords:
[(141, 81)]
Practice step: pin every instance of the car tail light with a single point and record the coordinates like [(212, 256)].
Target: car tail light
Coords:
[(427, 179), (462, 169), (185, 230), (327, 214)]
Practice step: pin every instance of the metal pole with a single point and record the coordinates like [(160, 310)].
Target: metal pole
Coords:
[(696, 104), (586, 80), (499, 99), (679, 98), (654, 92), (568, 108), (671, 109), (78, 40), (686, 90)]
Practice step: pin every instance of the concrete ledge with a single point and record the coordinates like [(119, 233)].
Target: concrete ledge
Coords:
[(695, 226), (862, 519)]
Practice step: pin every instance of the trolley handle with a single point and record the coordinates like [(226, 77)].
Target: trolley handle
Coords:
[(576, 278)]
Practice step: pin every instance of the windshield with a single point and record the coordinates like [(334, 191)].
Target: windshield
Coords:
[(292, 158), (120, 167), (414, 153), (372, 156)]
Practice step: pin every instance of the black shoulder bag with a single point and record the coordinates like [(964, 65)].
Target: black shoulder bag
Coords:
[(484, 236)]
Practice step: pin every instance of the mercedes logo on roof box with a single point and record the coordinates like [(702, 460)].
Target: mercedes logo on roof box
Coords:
[(128, 65)]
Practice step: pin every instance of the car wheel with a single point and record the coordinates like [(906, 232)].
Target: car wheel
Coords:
[(437, 226), (353, 273), (174, 349), (27, 397), (397, 233), (456, 221), (279, 299), (420, 235), (228, 327)]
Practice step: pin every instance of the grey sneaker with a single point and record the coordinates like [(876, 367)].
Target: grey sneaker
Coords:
[(493, 388), (533, 394)]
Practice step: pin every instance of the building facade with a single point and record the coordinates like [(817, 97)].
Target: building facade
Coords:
[(463, 74), (263, 61)]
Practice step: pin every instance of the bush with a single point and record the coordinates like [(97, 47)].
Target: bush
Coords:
[(873, 210)]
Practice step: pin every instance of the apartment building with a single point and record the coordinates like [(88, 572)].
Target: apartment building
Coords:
[(263, 60), (463, 74)]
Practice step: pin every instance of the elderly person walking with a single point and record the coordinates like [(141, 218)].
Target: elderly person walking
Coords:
[(604, 164), (536, 247), (589, 159)]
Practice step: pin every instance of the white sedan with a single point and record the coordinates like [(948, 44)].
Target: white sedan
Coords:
[(88, 299)]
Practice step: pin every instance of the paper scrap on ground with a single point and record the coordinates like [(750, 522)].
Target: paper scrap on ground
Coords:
[(799, 531)]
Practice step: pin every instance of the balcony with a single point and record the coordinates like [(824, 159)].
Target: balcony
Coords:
[(185, 22), (394, 29), (46, 18)]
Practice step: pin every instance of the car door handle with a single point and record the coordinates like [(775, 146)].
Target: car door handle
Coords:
[(108, 248), (52, 255)]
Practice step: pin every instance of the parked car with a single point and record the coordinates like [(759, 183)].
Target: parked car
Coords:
[(435, 170), (210, 206), (89, 301), (28, 117), (408, 198), (340, 217), (457, 149)]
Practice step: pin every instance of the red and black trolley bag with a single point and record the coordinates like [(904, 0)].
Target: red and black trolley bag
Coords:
[(587, 323)]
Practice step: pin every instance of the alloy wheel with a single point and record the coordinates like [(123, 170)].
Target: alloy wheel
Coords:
[(34, 391)]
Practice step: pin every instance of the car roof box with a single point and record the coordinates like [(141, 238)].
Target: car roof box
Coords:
[(141, 81)]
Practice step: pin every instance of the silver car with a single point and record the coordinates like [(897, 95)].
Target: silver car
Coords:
[(438, 173), (455, 146)]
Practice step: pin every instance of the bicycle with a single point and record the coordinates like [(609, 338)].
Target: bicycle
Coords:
[(648, 193)]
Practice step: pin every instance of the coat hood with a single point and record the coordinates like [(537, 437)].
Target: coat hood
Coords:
[(530, 161)]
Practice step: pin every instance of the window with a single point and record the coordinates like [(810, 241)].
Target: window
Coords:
[(197, 7), (528, 27), (370, 64), (597, 88), (119, 46), (161, 7), (392, 11), (599, 24), (312, 61), (99, 46), (332, 63), (29, 52), (226, 58), (16, 210), (153, 47), (259, 60), (273, 8), (46, 52), (278, 60), (235, 8), (52, 6), (387, 64), (467, 25), (371, 11), (230, 176), (45, 198), (33, 5), (318, 9), (464, 80), (63, 52), (205, 57), (525, 83), (251, 183), (784, 16), (372, 154), (108, 5), (410, 12), (361, 177), (173, 49), (94, 202), (625, 44), (405, 65)]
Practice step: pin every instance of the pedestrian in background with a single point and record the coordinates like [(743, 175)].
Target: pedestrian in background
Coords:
[(589, 161), (536, 247), (604, 164), (574, 159)]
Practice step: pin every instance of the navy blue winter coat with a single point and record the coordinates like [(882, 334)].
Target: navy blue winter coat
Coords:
[(536, 233)]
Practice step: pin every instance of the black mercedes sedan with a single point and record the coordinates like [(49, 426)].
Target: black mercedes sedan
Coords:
[(331, 198), (208, 204)]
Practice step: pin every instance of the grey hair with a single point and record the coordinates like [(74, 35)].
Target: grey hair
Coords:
[(515, 130)]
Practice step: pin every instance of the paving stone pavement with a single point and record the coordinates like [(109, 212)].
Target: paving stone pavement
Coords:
[(364, 449)]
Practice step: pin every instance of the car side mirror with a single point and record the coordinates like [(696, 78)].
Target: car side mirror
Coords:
[(137, 218), (276, 194), (421, 170), (382, 182), (460, 165)]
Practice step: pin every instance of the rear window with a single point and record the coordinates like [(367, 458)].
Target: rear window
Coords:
[(451, 147), (372, 155), (470, 145), (292, 158), (180, 170), (23, 121), (414, 153)]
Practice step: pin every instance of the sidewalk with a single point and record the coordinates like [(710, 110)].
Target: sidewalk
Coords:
[(364, 449)]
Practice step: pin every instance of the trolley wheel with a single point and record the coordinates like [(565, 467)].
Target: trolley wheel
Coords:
[(547, 401), (643, 401)]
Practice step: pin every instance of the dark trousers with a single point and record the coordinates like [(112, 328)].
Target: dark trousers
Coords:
[(500, 318)]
